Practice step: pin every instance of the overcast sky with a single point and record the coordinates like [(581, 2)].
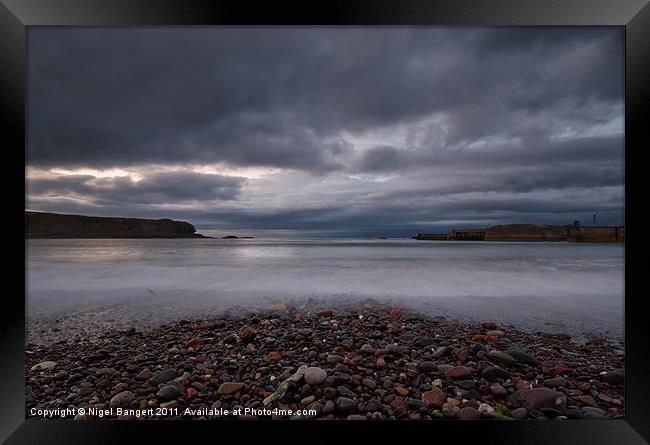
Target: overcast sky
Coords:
[(348, 131)]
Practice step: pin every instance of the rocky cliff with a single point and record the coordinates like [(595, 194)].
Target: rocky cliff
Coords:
[(53, 225)]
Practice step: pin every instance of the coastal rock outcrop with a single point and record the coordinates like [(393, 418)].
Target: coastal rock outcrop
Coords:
[(54, 225)]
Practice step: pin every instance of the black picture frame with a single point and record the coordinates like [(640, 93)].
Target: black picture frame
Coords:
[(16, 16)]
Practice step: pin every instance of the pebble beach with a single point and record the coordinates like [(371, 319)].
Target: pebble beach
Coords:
[(366, 361)]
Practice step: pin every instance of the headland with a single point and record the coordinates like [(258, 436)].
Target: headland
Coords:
[(54, 225)]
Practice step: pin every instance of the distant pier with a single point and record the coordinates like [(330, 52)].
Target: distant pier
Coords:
[(532, 232)]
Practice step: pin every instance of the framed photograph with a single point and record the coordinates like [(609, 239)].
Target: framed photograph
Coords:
[(417, 215)]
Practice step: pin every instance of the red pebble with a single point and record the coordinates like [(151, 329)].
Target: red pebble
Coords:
[(584, 387), (560, 369), (193, 343), (522, 384)]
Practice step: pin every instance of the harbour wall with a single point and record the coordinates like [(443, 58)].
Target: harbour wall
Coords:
[(532, 232)]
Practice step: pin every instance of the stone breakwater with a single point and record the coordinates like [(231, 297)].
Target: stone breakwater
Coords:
[(369, 362)]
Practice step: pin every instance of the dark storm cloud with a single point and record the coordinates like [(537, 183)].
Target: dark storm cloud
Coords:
[(379, 159), (582, 153), (587, 46), (474, 125), (398, 219), (154, 188), (520, 181), (281, 97)]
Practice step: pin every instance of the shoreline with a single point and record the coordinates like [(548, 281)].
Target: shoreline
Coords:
[(89, 319), (368, 360)]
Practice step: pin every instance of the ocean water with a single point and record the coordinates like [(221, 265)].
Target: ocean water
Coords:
[(553, 287)]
